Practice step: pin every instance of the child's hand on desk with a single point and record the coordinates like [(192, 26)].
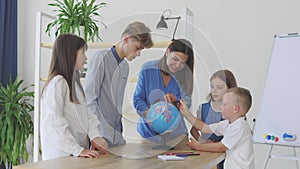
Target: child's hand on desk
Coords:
[(193, 144), (100, 144), (90, 154)]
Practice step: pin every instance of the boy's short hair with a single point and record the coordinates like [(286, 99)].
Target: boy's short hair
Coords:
[(139, 32), (243, 97)]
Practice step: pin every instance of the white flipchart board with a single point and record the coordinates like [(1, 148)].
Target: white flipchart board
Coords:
[(279, 111)]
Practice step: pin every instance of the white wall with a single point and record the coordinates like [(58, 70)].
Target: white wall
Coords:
[(233, 34)]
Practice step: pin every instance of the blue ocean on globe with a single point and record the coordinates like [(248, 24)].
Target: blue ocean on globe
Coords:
[(164, 116)]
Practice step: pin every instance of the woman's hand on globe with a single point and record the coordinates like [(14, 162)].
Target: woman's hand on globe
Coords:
[(146, 113), (149, 122), (169, 97)]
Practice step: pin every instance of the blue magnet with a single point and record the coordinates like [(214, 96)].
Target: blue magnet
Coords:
[(289, 137)]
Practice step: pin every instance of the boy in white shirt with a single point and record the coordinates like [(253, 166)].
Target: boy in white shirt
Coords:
[(237, 140)]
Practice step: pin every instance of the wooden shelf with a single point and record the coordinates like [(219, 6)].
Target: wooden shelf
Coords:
[(134, 79), (94, 45)]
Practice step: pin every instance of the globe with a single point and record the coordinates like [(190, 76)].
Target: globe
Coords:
[(164, 117)]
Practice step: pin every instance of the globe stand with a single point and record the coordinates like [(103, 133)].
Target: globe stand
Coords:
[(163, 145)]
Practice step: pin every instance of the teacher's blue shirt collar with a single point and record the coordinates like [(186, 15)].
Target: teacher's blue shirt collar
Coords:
[(113, 50)]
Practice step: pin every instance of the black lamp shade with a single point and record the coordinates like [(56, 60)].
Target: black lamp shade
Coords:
[(162, 23)]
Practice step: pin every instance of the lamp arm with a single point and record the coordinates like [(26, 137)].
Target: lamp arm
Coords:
[(175, 26), (168, 18)]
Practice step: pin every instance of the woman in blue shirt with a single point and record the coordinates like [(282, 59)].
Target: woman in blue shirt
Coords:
[(168, 79)]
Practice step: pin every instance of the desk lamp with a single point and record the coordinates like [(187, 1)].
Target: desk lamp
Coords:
[(162, 23)]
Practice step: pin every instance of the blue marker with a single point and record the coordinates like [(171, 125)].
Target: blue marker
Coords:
[(186, 155), (289, 137)]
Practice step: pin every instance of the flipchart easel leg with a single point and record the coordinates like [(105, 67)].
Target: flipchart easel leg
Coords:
[(297, 158), (287, 157), (268, 157)]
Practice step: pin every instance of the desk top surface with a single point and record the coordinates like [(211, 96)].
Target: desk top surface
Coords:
[(131, 155)]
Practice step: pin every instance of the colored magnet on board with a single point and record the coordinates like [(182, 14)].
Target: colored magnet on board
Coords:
[(289, 137)]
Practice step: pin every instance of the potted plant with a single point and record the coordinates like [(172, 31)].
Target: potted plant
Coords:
[(76, 16), (15, 121)]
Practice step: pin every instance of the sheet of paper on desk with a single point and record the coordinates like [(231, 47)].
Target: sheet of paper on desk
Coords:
[(170, 158)]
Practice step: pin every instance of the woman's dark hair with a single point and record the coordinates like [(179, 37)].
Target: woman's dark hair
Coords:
[(64, 55), (184, 76)]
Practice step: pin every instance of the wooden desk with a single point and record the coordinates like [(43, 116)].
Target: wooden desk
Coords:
[(130, 156)]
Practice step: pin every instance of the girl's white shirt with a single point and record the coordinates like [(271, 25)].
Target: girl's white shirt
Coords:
[(65, 125)]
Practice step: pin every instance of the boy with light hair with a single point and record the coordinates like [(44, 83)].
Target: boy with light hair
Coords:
[(237, 141)]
